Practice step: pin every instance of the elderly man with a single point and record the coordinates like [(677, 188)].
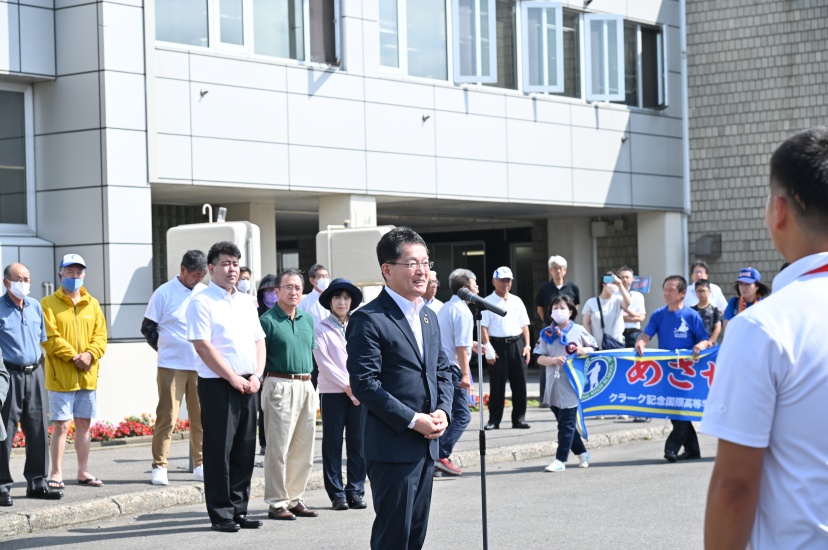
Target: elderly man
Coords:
[(556, 285), (428, 296), (76, 341), (21, 332), (165, 328), (289, 401)]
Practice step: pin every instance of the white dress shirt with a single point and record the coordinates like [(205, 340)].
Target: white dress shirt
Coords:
[(310, 304), (411, 310)]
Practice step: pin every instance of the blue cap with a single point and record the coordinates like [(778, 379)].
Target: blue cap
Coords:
[(749, 275)]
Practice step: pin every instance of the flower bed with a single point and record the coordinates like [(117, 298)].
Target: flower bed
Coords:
[(131, 426)]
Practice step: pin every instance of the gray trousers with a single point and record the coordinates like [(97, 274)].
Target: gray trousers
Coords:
[(26, 403)]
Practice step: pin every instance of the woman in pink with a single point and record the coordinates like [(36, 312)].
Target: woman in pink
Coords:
[(340, 409)]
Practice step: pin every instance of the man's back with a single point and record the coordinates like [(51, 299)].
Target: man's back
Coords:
[(771, 391)]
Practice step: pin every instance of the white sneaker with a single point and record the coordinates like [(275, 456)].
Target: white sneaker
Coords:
[(583, 459), (555, 466), (159, 476), (198, 473)]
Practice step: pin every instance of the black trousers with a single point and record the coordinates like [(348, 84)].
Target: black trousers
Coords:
[(683, 434), (26, 403), (260, 421), (339, 414), (228, 418), (508, 366), (402, 500)]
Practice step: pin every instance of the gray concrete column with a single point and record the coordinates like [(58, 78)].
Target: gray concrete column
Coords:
[(358, 210), (570, 238), (659, 251)]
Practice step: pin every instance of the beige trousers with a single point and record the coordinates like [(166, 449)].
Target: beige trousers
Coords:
[(290, 423), (173, 386)]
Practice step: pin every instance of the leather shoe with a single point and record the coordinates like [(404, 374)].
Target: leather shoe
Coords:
[(226, 526), (246, 523), (302, 511), (669, 456), (44, 493), (491, 426), (520, 426), (687, 456), (357, 502), (339, 503), (5, 499), (280, 513)]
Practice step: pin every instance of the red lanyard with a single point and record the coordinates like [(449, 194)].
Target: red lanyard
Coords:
[(822, 269)]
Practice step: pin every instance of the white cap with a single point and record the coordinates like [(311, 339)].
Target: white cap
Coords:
[(72, 259), (503, 273), (557, 260)]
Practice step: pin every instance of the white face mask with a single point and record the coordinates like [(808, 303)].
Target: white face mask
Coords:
[(20, 289), (560, 315), (613, 288), (244, 285), (323, 283)]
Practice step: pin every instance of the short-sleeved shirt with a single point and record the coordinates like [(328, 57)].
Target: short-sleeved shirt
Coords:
[(716, 297), (613, 317), (456, 325), (168, 308), (559, 392), (770, 392), (310, 304), (289, 342), (680, 329), (21, 331), (230, 322), (549, 291), (636, 306), (710, 316), (732, 309), (512, 324)]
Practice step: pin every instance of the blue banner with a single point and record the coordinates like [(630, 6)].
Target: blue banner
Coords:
[(661, 384)]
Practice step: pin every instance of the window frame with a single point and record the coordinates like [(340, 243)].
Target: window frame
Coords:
[(523, 40), (402, 46), (214, 26), (477, 77), (30, 227), (618, 20)]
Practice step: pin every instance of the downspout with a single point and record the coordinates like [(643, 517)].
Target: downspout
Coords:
[(685, 132)]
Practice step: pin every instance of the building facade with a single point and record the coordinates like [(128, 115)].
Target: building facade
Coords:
[(504, 131)]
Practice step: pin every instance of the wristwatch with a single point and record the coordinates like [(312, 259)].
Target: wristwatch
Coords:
[(261, 378)]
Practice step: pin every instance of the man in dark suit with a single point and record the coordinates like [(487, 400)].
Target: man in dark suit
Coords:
[(399, 372)]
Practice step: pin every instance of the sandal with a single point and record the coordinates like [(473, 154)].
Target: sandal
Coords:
[(91, 482), (54, 484)]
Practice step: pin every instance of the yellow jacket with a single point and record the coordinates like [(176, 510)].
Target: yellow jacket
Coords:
[(72, 329)]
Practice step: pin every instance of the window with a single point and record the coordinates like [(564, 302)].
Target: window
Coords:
[(16, 157), (604, 59), (413, 37), (305, 30), (542, 40), (572, 54), (506, 24), (644, 74), (475, 50)]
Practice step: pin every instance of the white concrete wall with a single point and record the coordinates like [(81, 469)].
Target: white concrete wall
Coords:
[(27, 38)]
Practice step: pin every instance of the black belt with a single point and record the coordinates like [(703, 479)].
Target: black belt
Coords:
[(304, 377), (631, 330), (22, 368), (507, 340)]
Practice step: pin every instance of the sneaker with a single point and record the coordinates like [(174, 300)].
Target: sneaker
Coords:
[(159, 476), (446, 467), (198, 473), (583, 460), (555, 466)]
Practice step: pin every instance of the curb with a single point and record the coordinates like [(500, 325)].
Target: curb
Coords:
[(138, 441), (141, 502)]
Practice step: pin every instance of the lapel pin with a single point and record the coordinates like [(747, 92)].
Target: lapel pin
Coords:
[(425, 319)]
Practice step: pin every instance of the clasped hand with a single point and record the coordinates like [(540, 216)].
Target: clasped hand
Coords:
[(250, 385), (431, 425)]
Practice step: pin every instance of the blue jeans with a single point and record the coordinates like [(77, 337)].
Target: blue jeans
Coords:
[(460, 415), (568, 437)]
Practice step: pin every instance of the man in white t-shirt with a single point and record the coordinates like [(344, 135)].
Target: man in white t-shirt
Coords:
[(165, 328), (769, 487), (509, 336), (698, 272), (636, 312)]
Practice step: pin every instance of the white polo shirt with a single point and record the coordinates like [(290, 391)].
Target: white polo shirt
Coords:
[(456, 325), (310, 304), (168, 307), (230, 322), (770, 391), (512, 324)]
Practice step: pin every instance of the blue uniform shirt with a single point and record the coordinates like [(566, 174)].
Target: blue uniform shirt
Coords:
[(21, 331), (680, 329)]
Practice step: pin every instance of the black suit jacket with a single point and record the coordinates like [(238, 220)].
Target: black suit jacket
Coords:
[(390, 377)]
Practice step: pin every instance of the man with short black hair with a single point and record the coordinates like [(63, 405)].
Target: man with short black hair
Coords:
[(769, 484), (165, 329), (245, 283), (636, 313), (320, 279), (223, 325), (700, 271)]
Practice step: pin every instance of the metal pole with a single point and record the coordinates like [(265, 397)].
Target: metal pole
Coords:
[(478, 317)]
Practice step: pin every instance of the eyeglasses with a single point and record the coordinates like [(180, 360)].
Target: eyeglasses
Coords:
[(412, 265), (434, 283), (291, 288)]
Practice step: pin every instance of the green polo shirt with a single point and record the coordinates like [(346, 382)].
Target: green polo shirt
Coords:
[(289, 343)]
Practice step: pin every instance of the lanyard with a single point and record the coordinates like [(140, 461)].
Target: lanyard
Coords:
[(822, 269)]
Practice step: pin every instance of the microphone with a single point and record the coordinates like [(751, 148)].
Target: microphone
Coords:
[(467, 295)]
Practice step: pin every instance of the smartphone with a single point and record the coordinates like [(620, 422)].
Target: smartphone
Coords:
[(608, 279)]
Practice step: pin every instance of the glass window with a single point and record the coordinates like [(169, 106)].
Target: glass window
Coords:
[(182, 22), (475, 50), (506, 21), (572, 53), (542, 37), (13, 177), (323, 23), (389, 34), (644, 75), (231, 18), (604, 48), (278, 28), (426, 34)]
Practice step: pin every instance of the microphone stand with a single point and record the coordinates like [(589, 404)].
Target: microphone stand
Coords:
[(477, 318)]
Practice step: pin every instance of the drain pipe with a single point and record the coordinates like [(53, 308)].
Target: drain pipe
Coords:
[(685, 133)]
